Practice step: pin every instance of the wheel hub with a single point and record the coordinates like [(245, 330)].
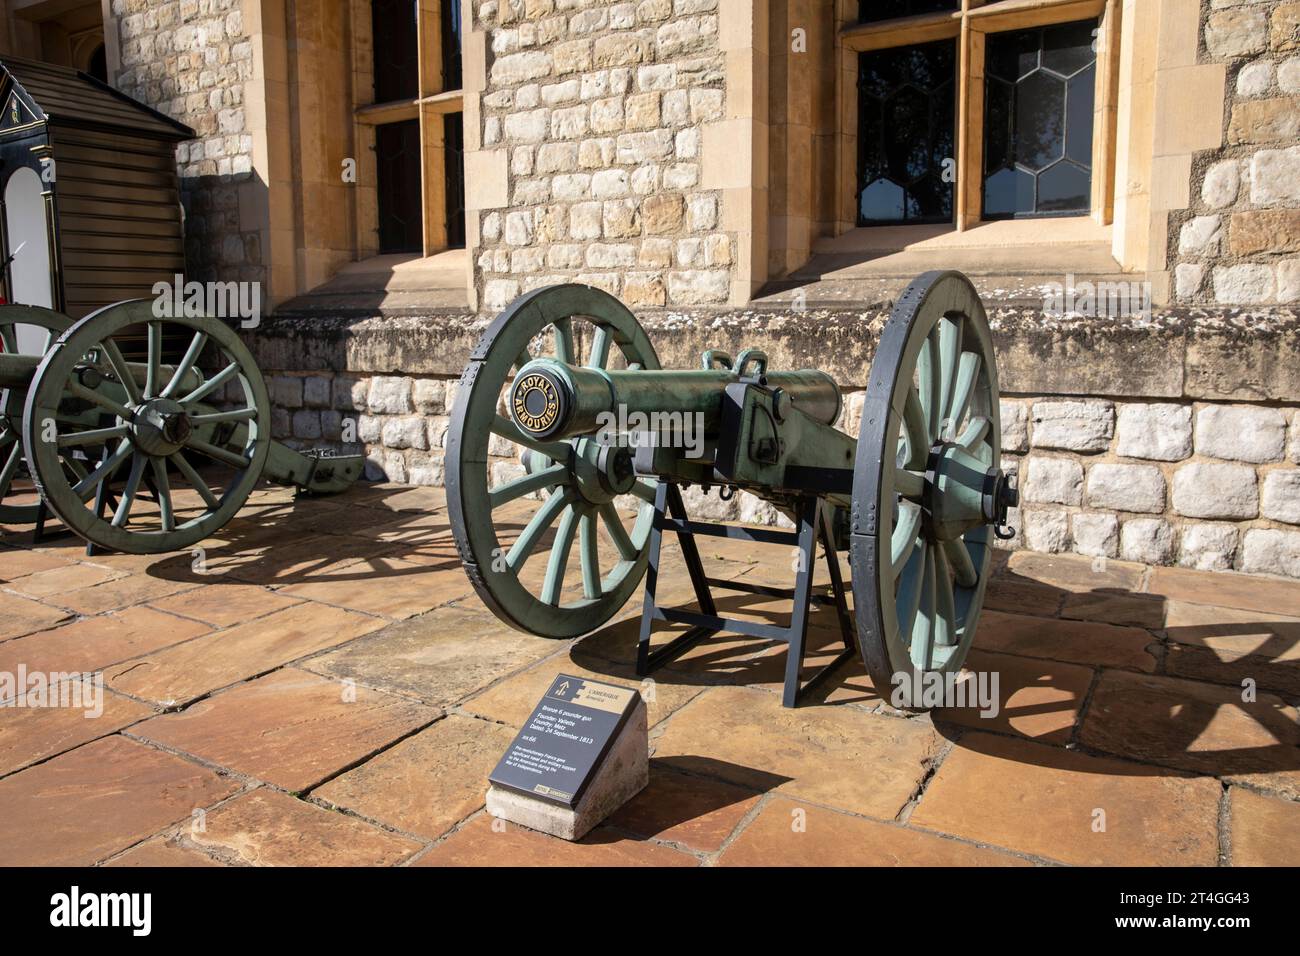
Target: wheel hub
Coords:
[(602, 472), (962, 493), (160, 427)]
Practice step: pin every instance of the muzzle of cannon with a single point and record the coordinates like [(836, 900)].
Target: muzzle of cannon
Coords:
[(916, 497), (140, 456)]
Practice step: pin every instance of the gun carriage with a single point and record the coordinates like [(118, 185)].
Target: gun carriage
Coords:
[(137, 454), (915, 499)]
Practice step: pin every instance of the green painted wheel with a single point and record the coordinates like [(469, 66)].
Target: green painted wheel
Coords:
[(510, 518), (927, 484), (15, 481), (153, 427)]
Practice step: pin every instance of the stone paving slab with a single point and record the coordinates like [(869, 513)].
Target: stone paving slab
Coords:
[(322, 686), (1052, 804), (185, 672), (427, 783), (787, 833), (268, 828), (103, 797), (291, 728)]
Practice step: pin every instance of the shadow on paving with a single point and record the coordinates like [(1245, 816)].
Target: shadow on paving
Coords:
[(1220, 713)]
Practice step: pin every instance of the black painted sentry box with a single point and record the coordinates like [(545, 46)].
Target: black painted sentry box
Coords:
[(565, 739)]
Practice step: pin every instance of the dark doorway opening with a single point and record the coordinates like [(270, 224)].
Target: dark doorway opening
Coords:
[(454, 160), (401, 217)]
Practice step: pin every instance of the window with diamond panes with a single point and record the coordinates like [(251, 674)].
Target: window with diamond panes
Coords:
[(907, 98), (1040, 91)]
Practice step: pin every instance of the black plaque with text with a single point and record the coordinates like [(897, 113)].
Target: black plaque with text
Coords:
[(571, 729)]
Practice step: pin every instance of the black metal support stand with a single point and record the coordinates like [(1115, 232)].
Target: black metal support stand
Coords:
[(814, 523)]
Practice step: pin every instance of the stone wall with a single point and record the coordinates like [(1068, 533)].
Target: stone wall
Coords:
[(1210, 486), (601, 107), (1168, 454), (193, 61), (1239, 241)]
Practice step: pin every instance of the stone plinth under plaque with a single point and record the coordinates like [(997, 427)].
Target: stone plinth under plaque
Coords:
[(583, 752)]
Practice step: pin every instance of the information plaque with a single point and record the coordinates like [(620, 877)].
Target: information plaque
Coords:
[(554, 757)]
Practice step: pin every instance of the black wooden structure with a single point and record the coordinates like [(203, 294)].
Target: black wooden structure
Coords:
[(107, 183)]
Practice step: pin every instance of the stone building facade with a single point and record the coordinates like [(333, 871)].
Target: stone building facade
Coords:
[(704, 161)]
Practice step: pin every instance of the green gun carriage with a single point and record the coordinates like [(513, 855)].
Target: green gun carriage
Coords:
[(915, 499), (131, 452)]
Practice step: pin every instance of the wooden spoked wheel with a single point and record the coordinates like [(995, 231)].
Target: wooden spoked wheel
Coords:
[(538, 523), (152, 428), (928, 456)]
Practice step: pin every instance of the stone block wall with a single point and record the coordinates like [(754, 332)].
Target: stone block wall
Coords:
[(601, 108), (1201, 485), (1239, 241), (193, 61)]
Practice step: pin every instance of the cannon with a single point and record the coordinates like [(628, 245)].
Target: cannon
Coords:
[(915, 499), (132, 453)]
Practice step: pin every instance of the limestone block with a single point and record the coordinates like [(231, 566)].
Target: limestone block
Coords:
[(1203, 490), (1241, 433)]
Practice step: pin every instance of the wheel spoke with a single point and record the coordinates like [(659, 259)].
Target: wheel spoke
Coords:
[(10, 469), (962, 565), (122, 370), (929, 378), (909, 484), (522, 359), (903, 541), (908, 597), (129, 492), (644, 489), (918, 443), (967, 375), (212, 384), (218, 454), (974, 432), (531, 536), (590, 556), (950, 334), (86, 486), (195, 480), (236, 415), (554, 450), (617, 533), (600, 348), (153, 371), (92, 436), (98, 398), (923, 625), (164, 487), (187, 362), (945, 631), (559, 561), (526, 484), (564, 350)]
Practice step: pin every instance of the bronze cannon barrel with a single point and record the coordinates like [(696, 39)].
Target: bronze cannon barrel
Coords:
[(18, 370), (552, 399)]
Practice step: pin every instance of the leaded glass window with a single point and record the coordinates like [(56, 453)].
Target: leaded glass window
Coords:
[(396, 50), (906, 133), (1038, 119)]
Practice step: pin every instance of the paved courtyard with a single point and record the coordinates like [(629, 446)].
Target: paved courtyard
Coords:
[(321, 686)]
